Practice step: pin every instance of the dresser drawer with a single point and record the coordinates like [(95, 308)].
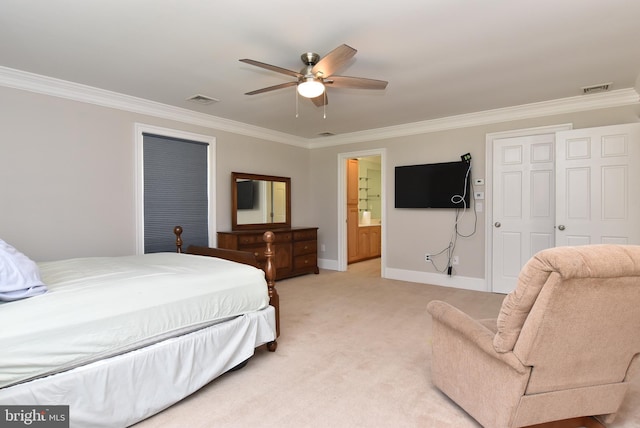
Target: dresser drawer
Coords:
[(305, 261), (305, 235), (282, 236), (250, 239), (256, 249), (305, 247)]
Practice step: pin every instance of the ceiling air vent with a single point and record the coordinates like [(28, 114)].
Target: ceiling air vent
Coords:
[(202, 99), (326, 134), (602, 87)]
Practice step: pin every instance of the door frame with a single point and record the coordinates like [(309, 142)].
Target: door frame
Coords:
[(489, 142), (342, 204)]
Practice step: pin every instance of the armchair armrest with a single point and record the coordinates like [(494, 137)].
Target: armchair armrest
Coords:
[(480, 336)]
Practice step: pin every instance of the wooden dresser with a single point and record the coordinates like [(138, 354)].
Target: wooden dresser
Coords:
[(296, 248)]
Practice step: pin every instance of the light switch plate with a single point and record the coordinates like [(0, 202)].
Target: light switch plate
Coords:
[(478, 182), (478, 195)]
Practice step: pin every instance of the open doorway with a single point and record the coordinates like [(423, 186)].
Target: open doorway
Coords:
[(361, 209)]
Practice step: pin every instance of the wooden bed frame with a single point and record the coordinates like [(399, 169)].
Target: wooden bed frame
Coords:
[(248, 258)]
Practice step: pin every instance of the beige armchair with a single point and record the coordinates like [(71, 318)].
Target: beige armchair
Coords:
[(564, 346)]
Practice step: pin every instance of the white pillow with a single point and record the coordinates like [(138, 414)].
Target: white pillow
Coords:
[(19, 275)]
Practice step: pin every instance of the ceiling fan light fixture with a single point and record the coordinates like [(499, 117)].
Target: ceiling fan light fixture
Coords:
[(310, 88)]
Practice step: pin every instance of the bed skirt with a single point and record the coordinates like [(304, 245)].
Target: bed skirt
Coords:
[(127, 388)]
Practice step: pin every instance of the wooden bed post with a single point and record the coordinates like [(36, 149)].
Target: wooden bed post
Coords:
[(178, 231), (248, 258), (270, 275)]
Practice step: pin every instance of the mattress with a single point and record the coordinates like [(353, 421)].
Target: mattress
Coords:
[(103, 306)]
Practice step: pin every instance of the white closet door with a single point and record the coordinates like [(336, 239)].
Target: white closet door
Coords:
[(523, 204), (598, 185)]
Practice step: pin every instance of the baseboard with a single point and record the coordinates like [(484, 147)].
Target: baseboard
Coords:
[(453, 281), (328, 264)]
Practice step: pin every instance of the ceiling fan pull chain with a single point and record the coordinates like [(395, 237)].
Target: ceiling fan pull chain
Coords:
[(296, 104), (324, 106)]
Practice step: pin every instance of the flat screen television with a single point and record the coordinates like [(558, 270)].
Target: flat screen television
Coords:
[(247, 193), (436, 185)]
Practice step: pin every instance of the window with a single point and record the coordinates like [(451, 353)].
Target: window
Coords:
[(174, 170)]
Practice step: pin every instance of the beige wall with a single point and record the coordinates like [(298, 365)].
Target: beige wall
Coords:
[(412, 233), (67, 174)]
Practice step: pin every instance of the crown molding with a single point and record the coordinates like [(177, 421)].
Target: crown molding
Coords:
[(617, 98), (31, 82), (26, 81)]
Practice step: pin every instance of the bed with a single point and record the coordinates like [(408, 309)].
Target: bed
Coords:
[(119, 339)]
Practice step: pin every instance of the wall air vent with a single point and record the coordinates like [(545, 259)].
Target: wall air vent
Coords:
[(202, 99), (602, 87)]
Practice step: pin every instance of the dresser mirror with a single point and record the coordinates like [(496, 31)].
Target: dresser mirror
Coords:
[(260, 201)]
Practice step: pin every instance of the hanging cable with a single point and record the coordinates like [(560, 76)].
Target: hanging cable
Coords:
[(450, 249)]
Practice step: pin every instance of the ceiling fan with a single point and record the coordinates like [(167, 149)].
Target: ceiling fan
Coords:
[(317, 75)]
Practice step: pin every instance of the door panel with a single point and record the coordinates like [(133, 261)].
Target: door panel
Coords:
[(523, 204), (596, 175)]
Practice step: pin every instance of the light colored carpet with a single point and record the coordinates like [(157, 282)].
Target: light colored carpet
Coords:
[(354, 351)]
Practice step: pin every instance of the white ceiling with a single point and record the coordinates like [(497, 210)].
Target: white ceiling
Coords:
[(441, 57)]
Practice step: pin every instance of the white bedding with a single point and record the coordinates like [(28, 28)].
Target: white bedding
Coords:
[(124, 389), (98, 307), (19, 275)]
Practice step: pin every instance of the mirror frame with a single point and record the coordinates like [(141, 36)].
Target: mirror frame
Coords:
[(234, 201)]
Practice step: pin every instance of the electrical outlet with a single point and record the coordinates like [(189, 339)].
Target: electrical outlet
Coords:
[(427, 257), (455, 260)]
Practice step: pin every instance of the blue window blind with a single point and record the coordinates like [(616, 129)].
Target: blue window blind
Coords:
[(175, 192)]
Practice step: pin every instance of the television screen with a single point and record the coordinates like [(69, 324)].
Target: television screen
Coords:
[(246, 194), (436, 185)]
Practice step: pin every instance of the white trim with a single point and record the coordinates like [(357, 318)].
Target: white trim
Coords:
[(342, 205), (328, 264), (488, 181), (455, 281), (616, 98), (139, 129), (87, 94), (74, 91)]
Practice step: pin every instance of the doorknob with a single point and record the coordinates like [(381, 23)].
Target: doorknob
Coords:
[(561, 227), (497, 224)]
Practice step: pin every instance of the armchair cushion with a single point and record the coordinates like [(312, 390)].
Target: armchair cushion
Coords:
[(556, 265), (474, 330), (517, 304)]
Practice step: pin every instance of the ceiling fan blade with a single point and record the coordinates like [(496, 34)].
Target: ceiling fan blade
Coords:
[(321, 100), (355, 82), (272, 67), (272, 88), (334, 60)]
